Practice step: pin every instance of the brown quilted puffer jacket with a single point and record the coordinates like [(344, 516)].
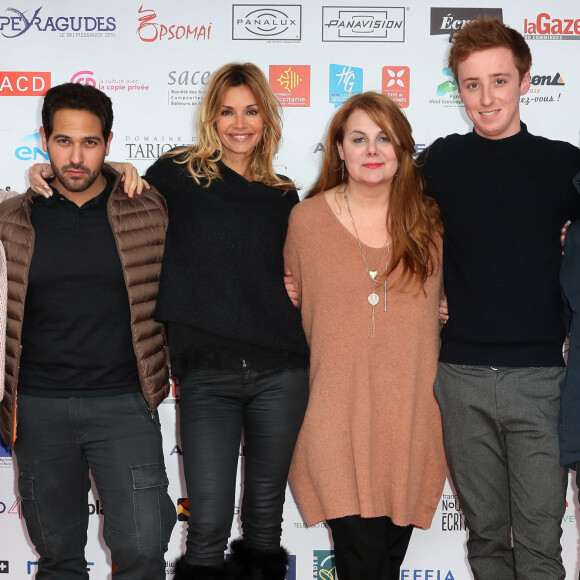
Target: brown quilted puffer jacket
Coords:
[(139, 225)]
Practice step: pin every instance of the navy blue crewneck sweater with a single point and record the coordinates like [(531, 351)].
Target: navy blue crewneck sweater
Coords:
[(503, 203)]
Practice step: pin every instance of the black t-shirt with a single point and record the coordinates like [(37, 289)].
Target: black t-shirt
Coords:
[(76, 335)]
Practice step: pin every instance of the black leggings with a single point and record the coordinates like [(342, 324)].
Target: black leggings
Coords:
[(372, 548), (216, 405)]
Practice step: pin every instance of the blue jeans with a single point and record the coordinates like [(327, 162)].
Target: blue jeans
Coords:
[(216, 405), (119, 440)]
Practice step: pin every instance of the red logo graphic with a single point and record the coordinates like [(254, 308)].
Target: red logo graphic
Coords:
[(291, 84), (23, 84), (150, 30), (545, 25), (397, 84)]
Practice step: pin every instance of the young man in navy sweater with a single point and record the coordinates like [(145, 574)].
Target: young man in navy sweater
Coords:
[(504, 194)]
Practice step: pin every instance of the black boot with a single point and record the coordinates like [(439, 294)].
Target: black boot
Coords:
[(185, 571), (251, 564)]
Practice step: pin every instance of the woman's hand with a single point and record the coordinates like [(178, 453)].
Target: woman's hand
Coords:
[(443, 310), (37, 175), (563, 233), (134, 183), (292, 288)]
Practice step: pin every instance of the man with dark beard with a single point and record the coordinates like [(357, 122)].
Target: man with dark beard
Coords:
[(84, 352)]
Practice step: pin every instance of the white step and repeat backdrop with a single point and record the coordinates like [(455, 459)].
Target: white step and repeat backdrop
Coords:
[(154, 59)]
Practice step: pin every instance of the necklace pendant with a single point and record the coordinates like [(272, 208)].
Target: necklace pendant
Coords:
[(373, 274), (373, 299)]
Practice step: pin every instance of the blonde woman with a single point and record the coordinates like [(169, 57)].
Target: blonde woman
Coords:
[(236, 341)]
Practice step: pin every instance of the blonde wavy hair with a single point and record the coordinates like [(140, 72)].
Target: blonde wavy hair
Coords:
[(413, 219), (202, 158)]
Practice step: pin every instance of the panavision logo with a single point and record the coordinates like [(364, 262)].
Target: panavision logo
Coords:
[(450, 20), (363, 24)]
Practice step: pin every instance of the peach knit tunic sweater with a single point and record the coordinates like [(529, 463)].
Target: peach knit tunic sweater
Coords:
[(371, 442)]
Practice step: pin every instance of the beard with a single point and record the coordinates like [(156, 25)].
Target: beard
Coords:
[(75, 184)]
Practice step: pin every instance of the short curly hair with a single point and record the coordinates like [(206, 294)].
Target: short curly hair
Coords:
[(483, 34)]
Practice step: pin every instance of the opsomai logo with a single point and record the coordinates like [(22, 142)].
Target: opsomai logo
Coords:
[(17, 23), (259, 22), (450, 20), (544, 27), (366, 24), (150, 30), (24, 84)]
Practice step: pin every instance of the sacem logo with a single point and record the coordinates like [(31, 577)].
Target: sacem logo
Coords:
[(364, 24), (24, 84), (259, 22), (544, 27), (451, 20)]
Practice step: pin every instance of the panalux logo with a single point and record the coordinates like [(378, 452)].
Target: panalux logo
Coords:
[(260, 22), (362, 24), (451, 20)]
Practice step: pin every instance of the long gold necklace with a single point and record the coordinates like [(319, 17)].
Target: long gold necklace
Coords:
[(373, 298)]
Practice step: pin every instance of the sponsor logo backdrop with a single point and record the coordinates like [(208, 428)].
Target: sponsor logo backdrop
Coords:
[(154, 59)]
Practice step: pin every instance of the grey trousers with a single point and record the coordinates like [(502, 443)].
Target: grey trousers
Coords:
[(119, 441), (501, 441)]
